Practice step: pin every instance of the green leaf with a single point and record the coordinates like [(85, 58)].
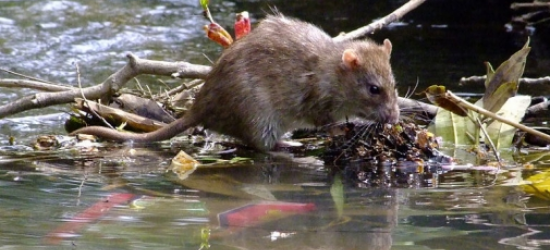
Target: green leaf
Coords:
[(204, 3), (337, 193), (514, 109), (451, 128), (490, 73), (501, 95), (503, 83)]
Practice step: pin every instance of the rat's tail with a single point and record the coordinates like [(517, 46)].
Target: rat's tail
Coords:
[(164, 133)]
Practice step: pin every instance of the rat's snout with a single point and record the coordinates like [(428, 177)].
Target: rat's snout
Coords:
[(389, 112)]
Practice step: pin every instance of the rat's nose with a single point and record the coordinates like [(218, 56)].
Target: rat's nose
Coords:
[(390, 114)]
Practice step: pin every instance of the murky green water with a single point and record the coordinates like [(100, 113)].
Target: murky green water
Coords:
[(121, 199), (46, 204)]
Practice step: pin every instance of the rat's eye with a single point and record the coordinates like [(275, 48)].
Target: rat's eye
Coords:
[(375, 90)]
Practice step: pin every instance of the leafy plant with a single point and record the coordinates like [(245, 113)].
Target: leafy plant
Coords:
[(463, 124)]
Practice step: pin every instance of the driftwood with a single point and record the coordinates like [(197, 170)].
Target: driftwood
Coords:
[(103, 91), (135, 121)]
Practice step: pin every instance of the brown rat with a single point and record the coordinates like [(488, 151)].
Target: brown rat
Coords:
[(285, 74)]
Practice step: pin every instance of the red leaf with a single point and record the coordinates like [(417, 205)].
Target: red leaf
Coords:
[(242, 25), (218, 34)]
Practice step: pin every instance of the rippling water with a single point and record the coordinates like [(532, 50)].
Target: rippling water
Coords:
[(44, 38)]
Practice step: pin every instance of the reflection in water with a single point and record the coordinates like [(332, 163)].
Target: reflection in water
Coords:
[(169, 213)]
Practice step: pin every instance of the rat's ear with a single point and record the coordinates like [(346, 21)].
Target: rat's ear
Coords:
[(349, 58), (387, 46)]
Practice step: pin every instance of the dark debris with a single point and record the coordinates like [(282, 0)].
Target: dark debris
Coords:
[(401, 155)]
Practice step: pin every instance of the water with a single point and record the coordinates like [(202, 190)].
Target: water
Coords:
[(44, 196), (37, 199)]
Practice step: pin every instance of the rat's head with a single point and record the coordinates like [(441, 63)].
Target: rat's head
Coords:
[(368, 81)]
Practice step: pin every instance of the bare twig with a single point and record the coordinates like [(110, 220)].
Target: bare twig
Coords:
[(32, 84), (392, 17), (86, 100), (26, 76), (178, 89), (488, 138), (112, 84), (459, 101), (515, 6), (120, 116), (524, 80)]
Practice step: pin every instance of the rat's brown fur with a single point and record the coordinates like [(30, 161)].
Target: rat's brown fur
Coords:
[(285, 74)]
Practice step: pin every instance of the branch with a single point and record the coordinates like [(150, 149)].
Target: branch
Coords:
[(392, 17), (120, 116), (137, 66), (516, 6), (537, 112), (452, 97), (112, 84), (523, 80), (31, 84)]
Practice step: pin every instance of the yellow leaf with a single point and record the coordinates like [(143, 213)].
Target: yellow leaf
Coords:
[(183, 165)]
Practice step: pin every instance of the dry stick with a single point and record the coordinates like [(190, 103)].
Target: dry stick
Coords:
[(523, 80), (139, 87), (113, 83), (449, 95), (495, 151), (26, 76), (84, 96), (529, 5), (180, 88), (32, 84), (392, 17)]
